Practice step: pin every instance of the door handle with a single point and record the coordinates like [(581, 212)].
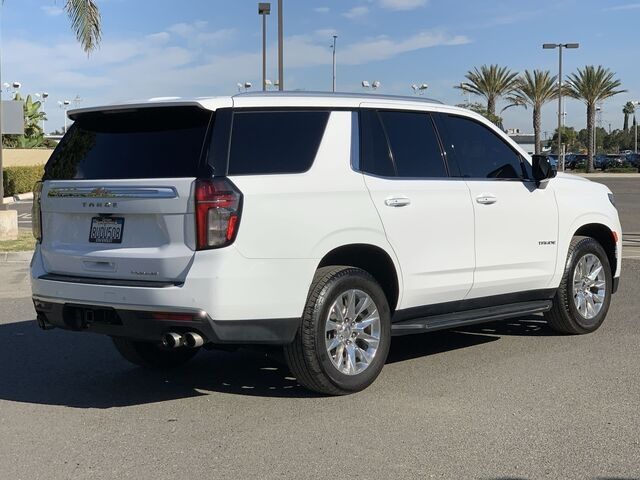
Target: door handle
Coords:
[(397, 202), (486, 199)]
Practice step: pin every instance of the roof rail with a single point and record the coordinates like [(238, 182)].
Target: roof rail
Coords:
[(305, 93)]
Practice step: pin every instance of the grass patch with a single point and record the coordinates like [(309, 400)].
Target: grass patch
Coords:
[(622, 170), (24, 243)]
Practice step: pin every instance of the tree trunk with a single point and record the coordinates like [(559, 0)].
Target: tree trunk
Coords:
[(591, 122), (536, 128), (491, 105), (626, 122)]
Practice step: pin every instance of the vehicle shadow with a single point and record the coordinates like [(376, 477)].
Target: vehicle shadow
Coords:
[(85, 371), (594, 478)]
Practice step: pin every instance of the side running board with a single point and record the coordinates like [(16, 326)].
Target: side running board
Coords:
[(468, 317)]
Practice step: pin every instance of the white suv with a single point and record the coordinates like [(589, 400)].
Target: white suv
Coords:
[(325, 223)]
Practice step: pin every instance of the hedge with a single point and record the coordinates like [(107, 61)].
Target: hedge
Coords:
[(21, 179)]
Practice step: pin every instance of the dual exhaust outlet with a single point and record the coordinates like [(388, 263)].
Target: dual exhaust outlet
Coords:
[(177, 340)]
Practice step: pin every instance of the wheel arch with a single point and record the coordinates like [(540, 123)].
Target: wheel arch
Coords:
[(374, 260), (605, 237)]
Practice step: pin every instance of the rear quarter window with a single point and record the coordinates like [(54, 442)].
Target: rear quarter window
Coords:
[(272, 142)]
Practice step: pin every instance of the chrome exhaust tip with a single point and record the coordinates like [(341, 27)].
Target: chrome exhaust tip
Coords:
[(193, 340), (172, 340)]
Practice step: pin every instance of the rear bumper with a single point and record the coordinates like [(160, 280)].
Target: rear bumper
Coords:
[(221, 282), (141, 323)]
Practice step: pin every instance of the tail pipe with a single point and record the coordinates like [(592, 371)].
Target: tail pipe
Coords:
[(176, 340), (193, 340), (172, 340)]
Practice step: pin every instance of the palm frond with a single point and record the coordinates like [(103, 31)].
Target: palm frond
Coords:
[(490, 82), (86, 22), (534, 89), (593, 84)]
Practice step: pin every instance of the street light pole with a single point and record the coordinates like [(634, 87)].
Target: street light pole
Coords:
[(64, 105), (635, 126), (560, 151), (1, 175), (334, 62), (264, 9), (560, 46), (280, 47)]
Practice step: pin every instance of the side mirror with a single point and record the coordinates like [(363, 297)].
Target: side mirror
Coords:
[(542, 170)]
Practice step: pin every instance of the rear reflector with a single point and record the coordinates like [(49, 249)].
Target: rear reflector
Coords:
[(179, 317), (36, 212)]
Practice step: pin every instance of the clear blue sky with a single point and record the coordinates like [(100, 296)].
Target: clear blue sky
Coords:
[(204, 47)]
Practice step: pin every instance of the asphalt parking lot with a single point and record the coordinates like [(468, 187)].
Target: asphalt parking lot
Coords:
[(507, 400)]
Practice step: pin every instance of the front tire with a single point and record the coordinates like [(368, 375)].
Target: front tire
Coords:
[(345, 333), (583, 298), (153, 355)]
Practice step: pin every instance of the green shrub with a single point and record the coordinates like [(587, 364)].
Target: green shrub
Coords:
[(21, 179)]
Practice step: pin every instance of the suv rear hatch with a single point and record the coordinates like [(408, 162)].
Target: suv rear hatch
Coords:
[(118, 198)]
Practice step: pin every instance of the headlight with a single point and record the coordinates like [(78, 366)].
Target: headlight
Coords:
[(612, 199)]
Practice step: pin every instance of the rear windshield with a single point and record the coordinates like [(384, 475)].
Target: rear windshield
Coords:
[(160, 142)]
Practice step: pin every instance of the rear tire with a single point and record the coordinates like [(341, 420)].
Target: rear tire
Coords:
[(580, 306), (345, 333), (153, 355)]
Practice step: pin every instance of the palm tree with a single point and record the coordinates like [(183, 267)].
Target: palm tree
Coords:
[(628, 109), (592, 85), (86, 24), (534, 89), (490, 82), (85, 21)]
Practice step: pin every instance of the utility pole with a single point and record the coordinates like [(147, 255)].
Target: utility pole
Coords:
[(334, 63), (280, 48), (264, 9)]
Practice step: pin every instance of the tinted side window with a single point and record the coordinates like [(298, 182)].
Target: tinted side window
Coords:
[(275, 142), (374, 148), (479, 151), (414, 145)]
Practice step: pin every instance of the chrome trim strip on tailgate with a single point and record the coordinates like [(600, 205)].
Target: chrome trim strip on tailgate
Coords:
[(113, 192)]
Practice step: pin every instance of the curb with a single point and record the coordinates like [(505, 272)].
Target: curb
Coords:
[(607, 175), (15, 257), (23, 196)]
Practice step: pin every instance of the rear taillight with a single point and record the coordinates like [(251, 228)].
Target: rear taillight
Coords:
[(218, 204), (36, 212)]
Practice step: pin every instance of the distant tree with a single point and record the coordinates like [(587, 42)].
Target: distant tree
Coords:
[(534, 89), (592, 85), (480, 109), (490, 82), (569, 138), (628, 109)]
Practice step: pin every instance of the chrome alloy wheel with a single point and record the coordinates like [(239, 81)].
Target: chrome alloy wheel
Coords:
[(352, 332), (589, 286)]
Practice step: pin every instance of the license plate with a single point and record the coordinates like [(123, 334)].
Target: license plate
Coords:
[(106, 230)]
